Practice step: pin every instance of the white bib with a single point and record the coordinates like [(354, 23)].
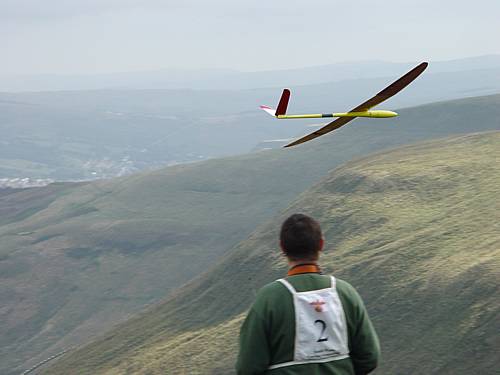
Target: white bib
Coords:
[(320, 326)]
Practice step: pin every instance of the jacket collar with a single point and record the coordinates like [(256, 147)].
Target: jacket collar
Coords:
[(304, 268)]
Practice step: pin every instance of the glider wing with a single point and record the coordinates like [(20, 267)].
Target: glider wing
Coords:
[(392, 89), (383, 95), (341, 121)]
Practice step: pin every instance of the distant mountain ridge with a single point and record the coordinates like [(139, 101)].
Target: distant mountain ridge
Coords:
[(85, 135), (229, 79)]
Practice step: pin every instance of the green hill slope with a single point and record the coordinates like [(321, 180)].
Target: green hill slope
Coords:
[(414, 229), (92, 254)]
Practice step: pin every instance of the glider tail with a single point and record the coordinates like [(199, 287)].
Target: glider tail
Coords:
[(282, 105)]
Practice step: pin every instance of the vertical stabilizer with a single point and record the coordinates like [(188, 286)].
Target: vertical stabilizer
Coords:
[(283, 104)]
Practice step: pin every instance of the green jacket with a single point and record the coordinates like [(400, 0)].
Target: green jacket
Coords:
[(267, 335)]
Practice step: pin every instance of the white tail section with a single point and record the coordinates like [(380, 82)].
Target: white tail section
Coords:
[(282, 105), (269, 110)]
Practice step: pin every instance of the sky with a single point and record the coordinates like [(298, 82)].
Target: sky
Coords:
[(105, 36)]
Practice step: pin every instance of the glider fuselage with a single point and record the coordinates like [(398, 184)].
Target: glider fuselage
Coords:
[(375, 114)]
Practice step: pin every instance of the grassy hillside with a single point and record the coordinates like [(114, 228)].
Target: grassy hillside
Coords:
[(414, 229), (18, 204), (84, 259)]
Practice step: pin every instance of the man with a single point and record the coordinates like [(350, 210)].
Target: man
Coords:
[(308, 323)]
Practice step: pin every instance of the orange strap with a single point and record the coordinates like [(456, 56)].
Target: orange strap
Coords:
[(303, 268)]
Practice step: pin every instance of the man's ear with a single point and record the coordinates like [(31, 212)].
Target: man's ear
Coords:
[(321, 244), (282, 248)]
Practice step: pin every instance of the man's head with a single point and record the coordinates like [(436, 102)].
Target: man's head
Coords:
[(301, 238)]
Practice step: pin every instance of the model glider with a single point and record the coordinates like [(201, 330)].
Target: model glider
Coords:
[(362, 110)]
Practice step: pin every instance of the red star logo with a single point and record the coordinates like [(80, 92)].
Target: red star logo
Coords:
[(318, 305)]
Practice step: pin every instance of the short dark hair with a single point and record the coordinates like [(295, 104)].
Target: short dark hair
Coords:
[(300, 237)]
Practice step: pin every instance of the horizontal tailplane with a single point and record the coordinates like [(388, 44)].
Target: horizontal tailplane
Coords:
[(269, 110)]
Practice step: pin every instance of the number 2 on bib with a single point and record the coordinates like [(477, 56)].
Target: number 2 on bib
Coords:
[(323, 329)]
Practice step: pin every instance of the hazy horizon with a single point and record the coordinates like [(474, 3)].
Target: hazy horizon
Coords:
[(111, 36), (223, 69)]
